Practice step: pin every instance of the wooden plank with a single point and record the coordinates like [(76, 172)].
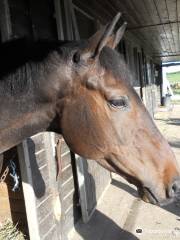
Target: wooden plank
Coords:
[(5, 209), (35, 142), (68, 201), (66, 160), (5, 21), (128, 15), (175, 33), (151, 11), (152, 15), (68, 19), (82, 190), (88, 27), (134, 20), (172, 17), (56, 203), (150, 37), (107, 5), (30, 200), (47, 225), (94, 9), (52, 234), (74, 22), (154, 37), (171, 8), (105, 13), (162, 10), (70, 212), (58, 15), (152, 8), (68, 220), (169, 37), (164, 43), (141, 11), (163, 14), (44, 209), (43, 22), (67, 187), (92, 182), (47, 206), (178, 19), (40, 158), (66, 174), (20, 20)]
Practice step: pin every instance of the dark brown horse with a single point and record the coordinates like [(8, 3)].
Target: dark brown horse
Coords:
[(82, 90)]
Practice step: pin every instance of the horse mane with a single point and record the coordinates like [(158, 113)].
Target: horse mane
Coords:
[(113, 61), (20, 61)]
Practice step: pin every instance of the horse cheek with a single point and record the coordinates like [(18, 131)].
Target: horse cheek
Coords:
[(76, 134)]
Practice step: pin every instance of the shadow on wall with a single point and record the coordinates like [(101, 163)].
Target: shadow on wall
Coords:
[(99, 226), (38, 182)]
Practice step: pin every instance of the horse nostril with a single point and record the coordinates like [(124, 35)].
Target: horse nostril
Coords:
[(175, 188)]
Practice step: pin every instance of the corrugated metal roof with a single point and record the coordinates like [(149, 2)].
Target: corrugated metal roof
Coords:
[(156, 23)]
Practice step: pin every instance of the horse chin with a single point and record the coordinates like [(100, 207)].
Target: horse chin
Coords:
[(149, 196)]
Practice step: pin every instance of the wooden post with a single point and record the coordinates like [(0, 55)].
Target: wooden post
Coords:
[(58, 14), (30, 201), (5, 22), (38, 169)]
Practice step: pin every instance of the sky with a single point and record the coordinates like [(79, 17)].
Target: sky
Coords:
[(173, 69)]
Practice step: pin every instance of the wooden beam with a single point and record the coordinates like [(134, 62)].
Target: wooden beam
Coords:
[(83, 12), (152, 25), (170, 55), (162, 11), (29, 196), (58, 15), (178, 20), (5, 21)]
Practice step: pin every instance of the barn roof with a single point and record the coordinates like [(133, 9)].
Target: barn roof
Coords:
[(155, 23)]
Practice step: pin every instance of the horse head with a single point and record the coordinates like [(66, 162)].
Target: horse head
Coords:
[(82, 89), (102, 118)]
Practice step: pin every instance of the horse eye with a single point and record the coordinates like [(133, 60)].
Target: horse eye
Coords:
[(76, 57), (120, 103)]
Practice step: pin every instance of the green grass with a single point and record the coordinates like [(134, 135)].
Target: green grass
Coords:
[(176, 91), (173, 77)]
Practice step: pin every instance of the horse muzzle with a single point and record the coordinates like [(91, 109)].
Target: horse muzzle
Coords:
[(149, 194), (174, 189)]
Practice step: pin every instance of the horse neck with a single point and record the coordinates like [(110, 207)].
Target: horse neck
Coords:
[(25, 111)]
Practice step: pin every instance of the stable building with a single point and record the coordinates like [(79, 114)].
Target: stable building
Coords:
[(47, 207)]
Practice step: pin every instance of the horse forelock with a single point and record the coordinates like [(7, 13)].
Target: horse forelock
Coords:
[(113, 62)]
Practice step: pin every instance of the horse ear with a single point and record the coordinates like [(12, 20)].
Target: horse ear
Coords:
[(102, 37), (116, 38)]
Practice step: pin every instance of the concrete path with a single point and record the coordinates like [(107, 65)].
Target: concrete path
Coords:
[(120, 215)]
